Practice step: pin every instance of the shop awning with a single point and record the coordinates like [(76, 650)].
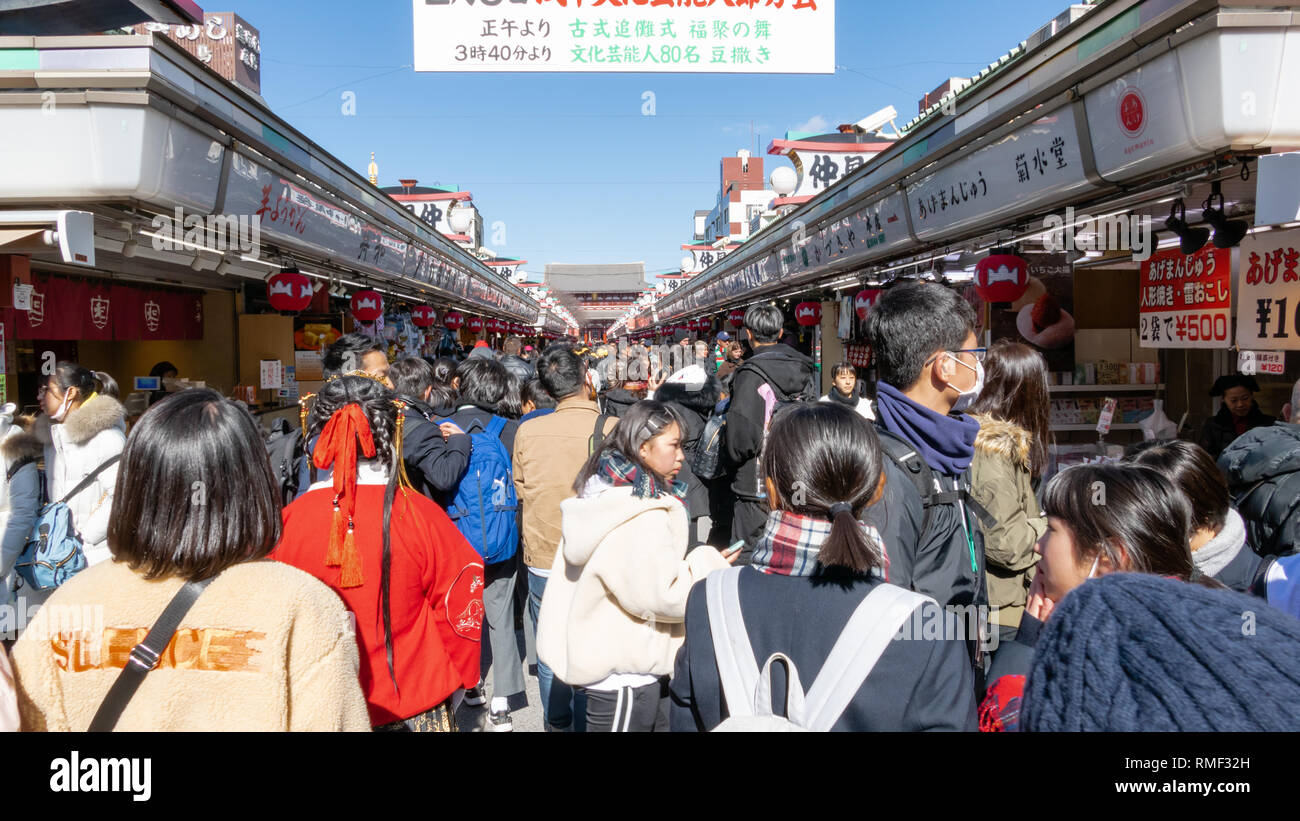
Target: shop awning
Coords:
[(22, 240)]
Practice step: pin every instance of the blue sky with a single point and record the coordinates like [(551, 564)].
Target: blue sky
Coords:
[(568, 162)]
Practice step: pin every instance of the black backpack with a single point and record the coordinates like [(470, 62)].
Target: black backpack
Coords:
[(285, 447), (901, 453), (783, 400)]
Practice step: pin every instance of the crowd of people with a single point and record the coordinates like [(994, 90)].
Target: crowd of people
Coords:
[(695, 542)]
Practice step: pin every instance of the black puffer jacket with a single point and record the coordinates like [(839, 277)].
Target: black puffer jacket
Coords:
[(790, 373), (618, 401), (1263, 469), (695, 407)]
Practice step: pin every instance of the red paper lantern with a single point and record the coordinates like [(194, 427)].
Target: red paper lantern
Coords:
[(453, 321), (475, 324), (737, 318), (808, 313), (367, 306), (1001, 278), (864, 300), (289, 291), (423, 316)]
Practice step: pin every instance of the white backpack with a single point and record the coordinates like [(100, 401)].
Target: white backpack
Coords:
[(748, 690)]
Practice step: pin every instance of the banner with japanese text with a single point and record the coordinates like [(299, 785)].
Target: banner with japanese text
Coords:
[(1185, 301), (1268, 302), (732, 37)]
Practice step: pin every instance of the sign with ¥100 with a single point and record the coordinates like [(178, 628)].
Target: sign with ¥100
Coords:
[(1268, 301), (742, 37), (1185, 300)]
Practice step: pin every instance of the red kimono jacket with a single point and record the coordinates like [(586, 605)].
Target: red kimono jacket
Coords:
[(436, 588)]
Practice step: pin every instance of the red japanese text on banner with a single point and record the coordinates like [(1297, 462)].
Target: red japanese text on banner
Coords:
[(1185, 300)]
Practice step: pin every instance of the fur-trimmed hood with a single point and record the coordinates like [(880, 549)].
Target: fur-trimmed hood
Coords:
[(1004, 439), (21, 445), (84, 423)]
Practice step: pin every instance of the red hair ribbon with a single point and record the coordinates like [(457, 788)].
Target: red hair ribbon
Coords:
[(337, 446)]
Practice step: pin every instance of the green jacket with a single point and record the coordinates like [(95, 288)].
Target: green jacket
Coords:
[(1001, 482)]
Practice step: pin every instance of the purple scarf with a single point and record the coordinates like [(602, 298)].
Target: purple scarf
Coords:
[(946, 443)]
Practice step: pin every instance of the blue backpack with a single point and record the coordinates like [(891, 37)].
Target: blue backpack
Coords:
[(53, 553), (485, 504)]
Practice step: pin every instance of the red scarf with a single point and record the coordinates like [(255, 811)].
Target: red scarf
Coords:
[(337, 445)]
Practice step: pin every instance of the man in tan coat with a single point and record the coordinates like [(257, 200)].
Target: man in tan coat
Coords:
[(549, 451)]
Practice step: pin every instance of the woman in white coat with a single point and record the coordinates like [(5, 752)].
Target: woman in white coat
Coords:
[(612, 618), (83, 429), (20, 497), (844, 391)]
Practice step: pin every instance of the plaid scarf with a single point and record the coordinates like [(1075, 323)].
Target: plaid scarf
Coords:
[(790, 544), (619, 471)]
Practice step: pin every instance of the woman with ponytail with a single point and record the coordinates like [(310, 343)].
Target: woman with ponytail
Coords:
[(611, 616), (814, 565), (413, 583), (83, 430)]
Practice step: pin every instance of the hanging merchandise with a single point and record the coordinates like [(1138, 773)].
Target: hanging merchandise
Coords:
[(1158, 426), (367, 306), (844, 328), (289, 291)]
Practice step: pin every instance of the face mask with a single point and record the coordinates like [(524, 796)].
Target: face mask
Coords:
[(63, 408), (967, 398)]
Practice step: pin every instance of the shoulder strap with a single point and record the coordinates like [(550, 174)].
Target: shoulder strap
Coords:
[(862, 642), (781, 395), (598, 433), (737, 669), (85, 483), (144, 657), (17, 466), (497, 425)]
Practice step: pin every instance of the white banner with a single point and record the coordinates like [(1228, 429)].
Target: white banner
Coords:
[(1268, 304), (747, 37)]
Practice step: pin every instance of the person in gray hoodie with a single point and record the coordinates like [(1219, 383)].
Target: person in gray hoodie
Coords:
[(20, 496)]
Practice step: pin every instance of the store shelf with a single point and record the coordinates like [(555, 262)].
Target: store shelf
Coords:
[(1093, 427), (1104, 388)]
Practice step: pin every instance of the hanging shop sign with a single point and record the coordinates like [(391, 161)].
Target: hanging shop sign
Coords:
[(107, 311), (1268, 300), (289, 291), (865, 300), (1185, 301), (1028, 167), (792, 37), (422, 316), (808, 314), (367, 306), (1136, 121), (1001, 278)]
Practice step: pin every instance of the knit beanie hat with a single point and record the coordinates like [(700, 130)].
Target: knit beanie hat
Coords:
[(1137, 652)]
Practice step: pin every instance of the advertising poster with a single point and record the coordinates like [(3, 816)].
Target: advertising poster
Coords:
[(1043, 317), (1185, 301)]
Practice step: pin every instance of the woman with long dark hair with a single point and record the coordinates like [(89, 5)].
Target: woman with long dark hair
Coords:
[(264, 647), (814, 566), (399, 564), (1011, 453), (611, 616)]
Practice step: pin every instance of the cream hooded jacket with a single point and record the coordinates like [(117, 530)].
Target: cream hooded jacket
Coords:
[(615, 601)]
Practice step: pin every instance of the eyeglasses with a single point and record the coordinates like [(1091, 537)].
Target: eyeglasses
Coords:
[(978, 352)]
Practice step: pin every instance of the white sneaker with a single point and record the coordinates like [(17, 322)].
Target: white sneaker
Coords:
[(501, 722)]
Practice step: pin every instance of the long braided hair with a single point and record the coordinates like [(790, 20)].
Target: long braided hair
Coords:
[(382, 412)]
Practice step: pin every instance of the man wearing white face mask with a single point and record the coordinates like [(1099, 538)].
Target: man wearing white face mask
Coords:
[(930, 369)]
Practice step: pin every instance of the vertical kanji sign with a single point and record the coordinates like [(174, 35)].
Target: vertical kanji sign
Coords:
[(1185, 300), (743, 37), (1268, 305)]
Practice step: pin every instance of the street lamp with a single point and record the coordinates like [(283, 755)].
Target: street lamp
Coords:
[(784, 181)]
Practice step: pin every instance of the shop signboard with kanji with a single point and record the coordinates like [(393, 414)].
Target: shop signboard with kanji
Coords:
[(735, 37), (1185, 300), (1268, 301), (1035, 164)]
